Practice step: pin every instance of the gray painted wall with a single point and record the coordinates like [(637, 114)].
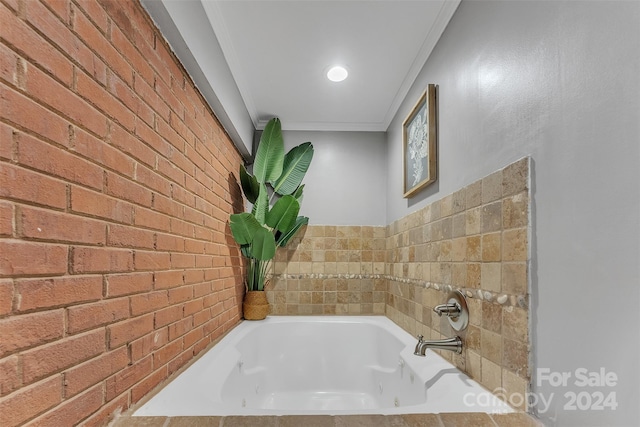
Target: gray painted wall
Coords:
[(559, 81), (347, 177)]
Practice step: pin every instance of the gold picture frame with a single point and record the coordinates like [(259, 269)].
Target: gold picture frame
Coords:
[(419, 144)]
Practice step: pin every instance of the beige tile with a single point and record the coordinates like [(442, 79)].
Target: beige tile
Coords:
[(517, 419), (194, 422), (491, 277), (473, 275), (471, 419), (492, 187), (474, 364), (491, 217), (459, 201), (514, 278), (446, 206), (492, 317), (515, 357), (473, 219), (474, 248), (459, 274), (492, 247), (516, 177), (472, 338), (515, 324), (516, 389), (459, 225), (491, 346), (514, 245), (361, 421), (475, 311), (140, 422), (473, 194), (238, 421), (459, 249), (515, 211), (491, 375), (306, 421)]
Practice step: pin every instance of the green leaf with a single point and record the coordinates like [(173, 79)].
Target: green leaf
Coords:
[(295, 166), (261, 207), (298, 193), (270, 154), (284, 238), (283, 213), (243, 227), (250, 186), (263, 246)]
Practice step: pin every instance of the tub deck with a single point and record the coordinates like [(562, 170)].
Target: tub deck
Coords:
[(514, 419)]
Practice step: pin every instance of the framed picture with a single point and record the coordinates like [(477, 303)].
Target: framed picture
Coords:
[(419, 142)]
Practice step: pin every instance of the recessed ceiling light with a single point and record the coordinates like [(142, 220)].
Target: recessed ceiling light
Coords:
[(337, 73)]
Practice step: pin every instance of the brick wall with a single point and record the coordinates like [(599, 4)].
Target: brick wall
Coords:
[(116, 182)]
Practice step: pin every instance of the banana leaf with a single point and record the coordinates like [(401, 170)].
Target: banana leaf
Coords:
[(270, 155), (283, 213), (296, 163)]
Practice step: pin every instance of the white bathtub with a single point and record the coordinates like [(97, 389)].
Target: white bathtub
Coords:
[(319, 365)]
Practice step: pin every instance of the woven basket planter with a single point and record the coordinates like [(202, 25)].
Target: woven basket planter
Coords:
[(255, 305)]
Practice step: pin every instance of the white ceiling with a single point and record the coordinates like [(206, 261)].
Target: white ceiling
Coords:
[(278, 52)]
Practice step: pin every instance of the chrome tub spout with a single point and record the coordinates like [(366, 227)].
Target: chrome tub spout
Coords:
[(452, 344)]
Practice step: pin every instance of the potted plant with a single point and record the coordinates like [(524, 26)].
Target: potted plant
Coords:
[(275, 190)]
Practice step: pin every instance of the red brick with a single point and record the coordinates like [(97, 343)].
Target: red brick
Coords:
[(6, 296), (10, 374), (100, 205), (181, 294), (180, 361), (148, 343), (17, 33), (193, 276), (150, 219), (131, 145), (22, 184), (6, 219), (96, 14), (193, 337), (30, 401), (182, 228), (8, 65), (180, 328), (164, 128), (36, 294), (29, 330), (79, 378), (148, 302), (152, 138), (72, 411), (126, 378), (167, 353), (97, 260), (96, 40), (129, 237), (128, 330), (151, 98), (168, 206), (149, 178), (167, 242), (104, 101), (171, 171), (147, 260), (168, 279), (45, 89), (100, 152), (125, 284), (123, 188), (7, 145), (49, 359), (89, 316), (146, 385), (44, 224), (108, 412), (18, 258), (131, 54), (59, 34), (167, 315)]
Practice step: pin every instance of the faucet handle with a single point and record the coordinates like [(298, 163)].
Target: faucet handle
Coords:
[(420, 338), (449, 309)]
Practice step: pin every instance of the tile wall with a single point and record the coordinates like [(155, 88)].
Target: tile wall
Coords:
[(475, 240)]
